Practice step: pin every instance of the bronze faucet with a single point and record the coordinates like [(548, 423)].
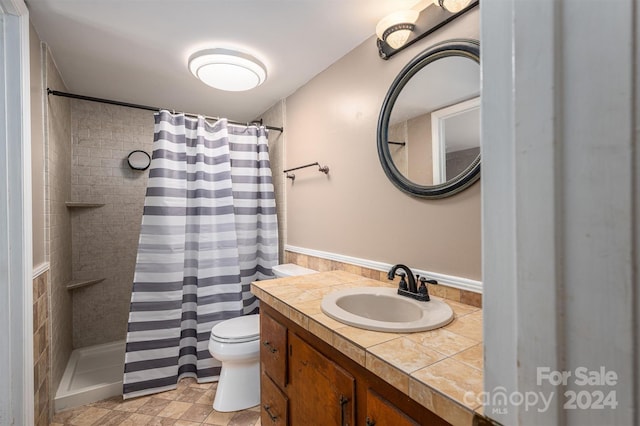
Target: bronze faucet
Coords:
[(411, 289), (412, 281)]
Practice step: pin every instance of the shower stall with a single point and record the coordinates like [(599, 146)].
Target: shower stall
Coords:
[(96, 204), (97, 246)]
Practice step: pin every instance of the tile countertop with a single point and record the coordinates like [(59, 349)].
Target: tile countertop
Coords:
[(436, 368)]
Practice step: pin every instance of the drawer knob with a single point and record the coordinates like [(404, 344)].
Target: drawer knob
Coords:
[(370, 422), (267, 345)]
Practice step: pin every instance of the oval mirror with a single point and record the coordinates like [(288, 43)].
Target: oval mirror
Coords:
[(429, 125)]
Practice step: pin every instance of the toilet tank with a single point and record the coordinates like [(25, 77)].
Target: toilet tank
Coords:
[(290, 270)]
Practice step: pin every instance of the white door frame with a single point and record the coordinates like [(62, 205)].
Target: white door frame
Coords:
[(16, 265), (560, 203), (439, 136)]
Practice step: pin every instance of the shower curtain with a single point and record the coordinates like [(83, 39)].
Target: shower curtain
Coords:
[(209, 228)]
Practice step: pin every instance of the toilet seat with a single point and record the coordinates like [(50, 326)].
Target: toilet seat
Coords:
[(237, 330)]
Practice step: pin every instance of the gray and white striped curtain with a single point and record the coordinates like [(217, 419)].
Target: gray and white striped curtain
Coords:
[(209, 228)]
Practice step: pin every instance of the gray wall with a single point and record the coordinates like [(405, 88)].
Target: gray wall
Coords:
[(37, 151)]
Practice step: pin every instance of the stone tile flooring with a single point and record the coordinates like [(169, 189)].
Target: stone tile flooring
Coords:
[(189, 405)]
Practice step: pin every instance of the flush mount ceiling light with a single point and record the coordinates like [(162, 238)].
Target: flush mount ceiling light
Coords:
[(227, 69), (395, 29)]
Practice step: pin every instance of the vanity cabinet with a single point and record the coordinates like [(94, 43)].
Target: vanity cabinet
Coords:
[(382, 412), (306, 382), (324, 392)]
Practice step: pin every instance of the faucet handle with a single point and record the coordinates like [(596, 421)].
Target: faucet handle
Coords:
[(402, 285), (423, 287), (425, 280)]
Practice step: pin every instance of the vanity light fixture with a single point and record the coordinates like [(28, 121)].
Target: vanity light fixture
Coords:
[(453, 6), (227, 69), (401, 29), (395, 29)]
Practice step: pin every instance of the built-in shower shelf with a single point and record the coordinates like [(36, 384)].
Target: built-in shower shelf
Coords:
[(83, 283), (76, 205)]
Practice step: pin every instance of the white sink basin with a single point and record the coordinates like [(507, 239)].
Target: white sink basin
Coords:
[(382, 309)]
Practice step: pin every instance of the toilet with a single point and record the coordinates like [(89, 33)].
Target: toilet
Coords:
[(236, 344)]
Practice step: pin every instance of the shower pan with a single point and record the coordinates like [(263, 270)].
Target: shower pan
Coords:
[(93, 373)]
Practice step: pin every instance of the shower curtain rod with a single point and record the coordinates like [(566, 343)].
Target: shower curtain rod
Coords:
[(147, 107)]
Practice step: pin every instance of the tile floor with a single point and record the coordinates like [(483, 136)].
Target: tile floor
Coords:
[(189, 405)]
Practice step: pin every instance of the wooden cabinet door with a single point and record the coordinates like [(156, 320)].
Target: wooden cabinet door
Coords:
[(321, 393), (381, 412), (273, 404), (273, 349)]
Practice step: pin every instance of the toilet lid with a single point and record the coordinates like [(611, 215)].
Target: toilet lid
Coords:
[(243, 328)]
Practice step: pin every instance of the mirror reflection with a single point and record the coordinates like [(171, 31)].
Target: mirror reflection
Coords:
[(434, 125)]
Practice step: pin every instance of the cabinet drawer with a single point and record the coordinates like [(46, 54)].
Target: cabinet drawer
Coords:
[(274, 404), (273, 349)]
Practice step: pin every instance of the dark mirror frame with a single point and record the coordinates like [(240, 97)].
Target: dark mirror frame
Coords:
[(459, 47)]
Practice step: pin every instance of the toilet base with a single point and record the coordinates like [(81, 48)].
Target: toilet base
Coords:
[(238, 386)]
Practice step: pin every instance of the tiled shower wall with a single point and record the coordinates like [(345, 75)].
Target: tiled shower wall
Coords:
[(58, 231), (105, 239)]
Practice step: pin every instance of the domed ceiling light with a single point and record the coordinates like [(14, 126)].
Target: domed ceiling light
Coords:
[(227, 69), (400, 29), (395, 29), (453, 6)]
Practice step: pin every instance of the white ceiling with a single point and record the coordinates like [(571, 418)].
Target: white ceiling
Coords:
[(137, 50)]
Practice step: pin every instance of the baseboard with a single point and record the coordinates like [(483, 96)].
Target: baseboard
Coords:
[(448, 280)]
